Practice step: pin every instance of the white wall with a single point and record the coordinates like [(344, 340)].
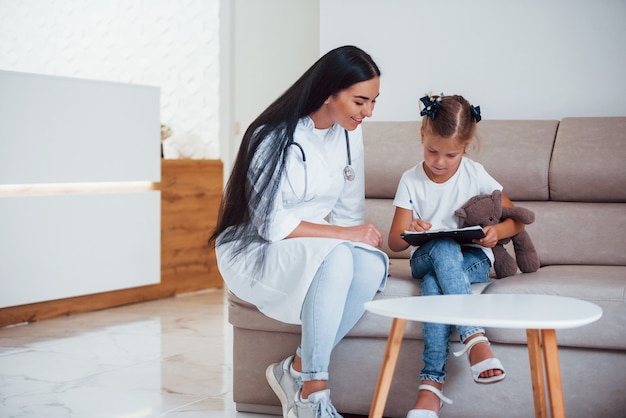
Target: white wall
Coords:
[(516, 59), (273, 43), (530, 59), (172, 44)]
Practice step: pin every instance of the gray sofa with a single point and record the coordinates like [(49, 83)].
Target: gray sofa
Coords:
[(572, 174)]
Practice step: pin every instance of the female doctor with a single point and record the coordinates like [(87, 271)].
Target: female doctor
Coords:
[(290, 237)]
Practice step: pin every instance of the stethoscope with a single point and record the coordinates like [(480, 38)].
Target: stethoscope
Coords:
[(348, 171)]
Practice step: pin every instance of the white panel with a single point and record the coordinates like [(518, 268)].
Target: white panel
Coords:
[(57, 130), (55, 247)]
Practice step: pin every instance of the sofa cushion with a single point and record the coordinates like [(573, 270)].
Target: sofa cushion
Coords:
[(517, 153), (584, 167), (242, 314), (384, 163), (580, 282), (578, 233)]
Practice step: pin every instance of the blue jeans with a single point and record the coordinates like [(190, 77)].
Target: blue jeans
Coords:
[(446, 268), (348, 277)]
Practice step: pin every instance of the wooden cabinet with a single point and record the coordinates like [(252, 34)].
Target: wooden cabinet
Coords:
[(191, 192)]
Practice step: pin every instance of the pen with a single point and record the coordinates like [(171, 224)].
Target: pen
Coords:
[(415, 209)]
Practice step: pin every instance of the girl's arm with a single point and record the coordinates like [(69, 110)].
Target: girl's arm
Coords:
[(504, 229), (403, 221)]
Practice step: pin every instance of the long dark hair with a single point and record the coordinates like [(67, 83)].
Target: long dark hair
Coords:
[(253, 186)]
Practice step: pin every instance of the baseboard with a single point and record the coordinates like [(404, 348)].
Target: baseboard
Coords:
[(258, 409)]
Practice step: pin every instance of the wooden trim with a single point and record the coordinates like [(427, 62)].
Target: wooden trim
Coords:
[(191, 192)]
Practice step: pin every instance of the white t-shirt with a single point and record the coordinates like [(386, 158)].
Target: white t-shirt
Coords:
[(436, 202)]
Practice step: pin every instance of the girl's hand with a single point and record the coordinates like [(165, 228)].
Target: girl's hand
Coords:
[(419, 225), (491, 237), (505, 229), (403, 221)]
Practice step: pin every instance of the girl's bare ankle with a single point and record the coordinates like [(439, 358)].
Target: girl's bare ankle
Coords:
[(428, 400)]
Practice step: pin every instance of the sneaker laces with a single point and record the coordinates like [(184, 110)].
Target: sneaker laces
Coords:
[(324, 408)]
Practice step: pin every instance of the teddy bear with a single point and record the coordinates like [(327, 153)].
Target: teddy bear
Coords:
[(486, 209)]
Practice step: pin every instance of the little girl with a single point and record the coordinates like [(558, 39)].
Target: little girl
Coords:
[(427, 196)]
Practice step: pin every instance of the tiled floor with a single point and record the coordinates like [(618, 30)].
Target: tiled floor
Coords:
[(166, 358)]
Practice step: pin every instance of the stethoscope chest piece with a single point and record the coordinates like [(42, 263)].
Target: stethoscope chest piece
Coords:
[(348, 173)]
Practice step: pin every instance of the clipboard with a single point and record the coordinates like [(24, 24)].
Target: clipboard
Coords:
[(460, 235)]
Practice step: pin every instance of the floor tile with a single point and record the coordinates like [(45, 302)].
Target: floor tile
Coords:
[(166, 358)]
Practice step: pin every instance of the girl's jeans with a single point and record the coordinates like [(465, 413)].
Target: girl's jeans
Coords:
[(348, 277), (446, 268)]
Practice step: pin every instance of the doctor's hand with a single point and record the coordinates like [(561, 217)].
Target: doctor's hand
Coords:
[(367, 234)]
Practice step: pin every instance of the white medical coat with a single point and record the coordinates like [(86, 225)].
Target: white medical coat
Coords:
[(290, 264)]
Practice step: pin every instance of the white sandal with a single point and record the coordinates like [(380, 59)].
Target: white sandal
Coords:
[(427, 413), (482, 366)]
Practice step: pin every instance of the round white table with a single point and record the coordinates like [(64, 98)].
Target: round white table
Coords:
[(540, 315)]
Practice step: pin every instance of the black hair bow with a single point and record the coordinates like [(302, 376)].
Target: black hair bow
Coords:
[(475, 113), (430, 107)]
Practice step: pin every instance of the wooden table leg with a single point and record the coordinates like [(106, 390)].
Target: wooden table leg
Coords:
[(536, 372), (394, 341), (553, 372)]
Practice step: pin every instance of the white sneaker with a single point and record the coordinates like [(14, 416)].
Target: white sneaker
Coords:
[(284, 385), (317, 406)]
